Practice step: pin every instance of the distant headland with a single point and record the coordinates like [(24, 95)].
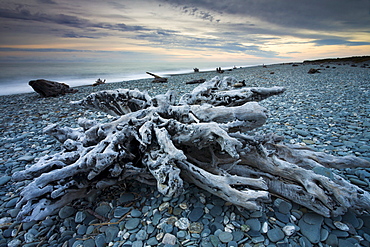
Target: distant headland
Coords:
[(354, 59)]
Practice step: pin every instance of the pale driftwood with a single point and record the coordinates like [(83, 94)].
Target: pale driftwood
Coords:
[(203, 139)]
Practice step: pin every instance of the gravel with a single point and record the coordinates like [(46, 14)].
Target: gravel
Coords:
[(328, 111)]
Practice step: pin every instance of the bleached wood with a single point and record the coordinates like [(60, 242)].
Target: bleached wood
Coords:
[(203, 139)]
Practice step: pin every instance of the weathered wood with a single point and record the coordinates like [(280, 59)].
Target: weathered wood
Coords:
[(196, 81), (157, 78), (48, 88), (202, 140)]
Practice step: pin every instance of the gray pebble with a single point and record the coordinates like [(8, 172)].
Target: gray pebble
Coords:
[(4, 180), (100, 240), (66, 212), (225, 237), (80, 216), (121, 211), (141, 235), (254, 224), (135, 213), (196, 214), (275, 235), (132, 223), (111, 233)]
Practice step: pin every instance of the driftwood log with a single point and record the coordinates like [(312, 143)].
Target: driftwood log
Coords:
[(48, 88), (203, 138), (157, 78)]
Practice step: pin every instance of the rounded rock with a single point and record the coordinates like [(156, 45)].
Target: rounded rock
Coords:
[(225, 237), (66, 212), (182, 223), (275, 235)]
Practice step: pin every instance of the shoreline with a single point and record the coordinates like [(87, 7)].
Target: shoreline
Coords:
[(328, 111)]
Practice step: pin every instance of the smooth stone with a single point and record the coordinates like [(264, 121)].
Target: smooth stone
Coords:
[(341, 226), (196, 227), (282, 217), (100, 240), (258, 239), (135, 213), (81, 230), (304, 242), (4, 179), (181, 234), (152, 241), (12, 202), (27, 158), (340, 234), (275, 235), (225, 237), (196, 214), (167, 228), (206, 232), (103, 210), (254, 224), (137, 243), (215, 226), (332, 240), (121, 211), (182, 223), (324, 234), (169, 239), (289, 230), (80, 216), (66, 212), (89, 243), (313, 218), (214, 240), (232, 244), (216, 211), (132, 223), (311, 231), (111, 233), (237, 235), (345, 243), (285, 207), (141, 235)]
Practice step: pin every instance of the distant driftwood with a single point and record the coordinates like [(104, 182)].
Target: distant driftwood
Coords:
[(313, 71), (99, 82), (196, 81), (157, 78), (50, 88)]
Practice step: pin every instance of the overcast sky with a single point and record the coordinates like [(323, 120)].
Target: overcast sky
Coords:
[(176, 30)]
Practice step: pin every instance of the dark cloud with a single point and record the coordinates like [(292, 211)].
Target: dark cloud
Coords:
[(46, 2), (339, 42), (21, 13), (308, 14)]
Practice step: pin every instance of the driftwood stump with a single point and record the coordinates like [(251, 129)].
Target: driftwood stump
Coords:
[(48, 88), (204, 138)]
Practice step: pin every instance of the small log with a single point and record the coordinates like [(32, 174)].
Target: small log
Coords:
[(196, 81), (98, 82), (157, 78)]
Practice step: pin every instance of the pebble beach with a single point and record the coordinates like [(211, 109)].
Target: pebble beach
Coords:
[(327, 111)]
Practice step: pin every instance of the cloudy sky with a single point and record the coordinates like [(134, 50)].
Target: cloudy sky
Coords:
[(251, 31)]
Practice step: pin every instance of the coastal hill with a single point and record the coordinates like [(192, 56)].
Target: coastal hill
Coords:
[(354, 59)]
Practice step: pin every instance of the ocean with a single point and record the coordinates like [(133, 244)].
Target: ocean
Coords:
[(14, 77)]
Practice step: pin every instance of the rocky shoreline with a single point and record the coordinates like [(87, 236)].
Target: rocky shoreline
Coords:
[(328, 111)]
